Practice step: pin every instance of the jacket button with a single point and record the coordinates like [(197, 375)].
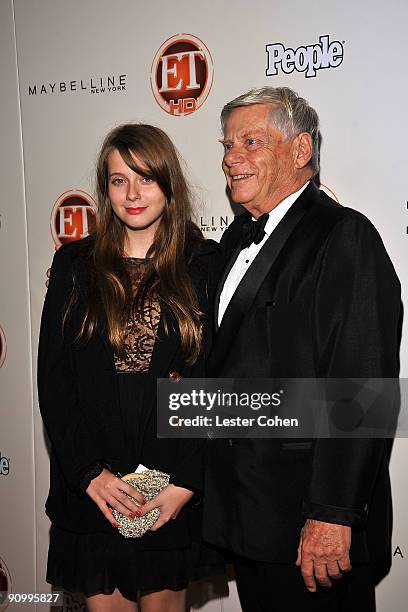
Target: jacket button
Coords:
[(175, 376)]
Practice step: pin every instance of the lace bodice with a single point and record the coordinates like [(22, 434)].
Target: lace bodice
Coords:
[(141, 328)]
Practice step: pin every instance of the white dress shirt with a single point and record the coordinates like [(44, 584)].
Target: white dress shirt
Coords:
[(247, 256)]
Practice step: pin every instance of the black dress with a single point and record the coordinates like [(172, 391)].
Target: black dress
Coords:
[(92, 563)]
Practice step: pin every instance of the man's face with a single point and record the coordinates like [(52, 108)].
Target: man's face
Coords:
[(258, 163)]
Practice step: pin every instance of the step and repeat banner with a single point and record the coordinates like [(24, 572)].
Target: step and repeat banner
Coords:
[(70, 72)]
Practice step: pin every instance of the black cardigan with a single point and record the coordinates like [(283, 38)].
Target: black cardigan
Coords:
[(78, 398)]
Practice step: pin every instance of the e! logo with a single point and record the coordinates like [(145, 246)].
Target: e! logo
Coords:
[(3, 348), (72, 216), (182, 74), (4, 466)]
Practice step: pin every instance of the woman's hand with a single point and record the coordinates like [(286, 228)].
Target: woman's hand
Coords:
[(170, 501), (108, 489)]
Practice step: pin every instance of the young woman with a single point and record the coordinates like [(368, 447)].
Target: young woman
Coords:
[(124, 307)]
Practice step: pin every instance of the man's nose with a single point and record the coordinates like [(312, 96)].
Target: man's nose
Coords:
[(233, 156)]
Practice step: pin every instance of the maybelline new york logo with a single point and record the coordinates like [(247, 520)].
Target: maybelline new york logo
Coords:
[(309, 59), (72, 216), (95, 85), (182, 74), (214, 223)]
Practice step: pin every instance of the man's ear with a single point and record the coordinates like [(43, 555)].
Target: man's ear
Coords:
[(302, 150)]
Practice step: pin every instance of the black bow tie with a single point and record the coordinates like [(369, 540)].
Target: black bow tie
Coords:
[(254, 231)]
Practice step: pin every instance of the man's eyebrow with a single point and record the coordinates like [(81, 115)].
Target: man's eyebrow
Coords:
[(243, 135), (252, 132)]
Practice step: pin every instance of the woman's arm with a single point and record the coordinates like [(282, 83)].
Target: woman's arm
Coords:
[(57, 392), (60, 406)]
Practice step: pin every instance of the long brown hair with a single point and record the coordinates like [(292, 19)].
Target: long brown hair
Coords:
[(175, 240)]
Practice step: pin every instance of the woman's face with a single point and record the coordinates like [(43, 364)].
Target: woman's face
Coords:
[(136, 200)]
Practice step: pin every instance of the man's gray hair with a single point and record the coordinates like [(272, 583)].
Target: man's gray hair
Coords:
[(290, 114)]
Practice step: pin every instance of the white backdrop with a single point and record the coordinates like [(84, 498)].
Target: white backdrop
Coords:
[(17, 484), (52, 53)]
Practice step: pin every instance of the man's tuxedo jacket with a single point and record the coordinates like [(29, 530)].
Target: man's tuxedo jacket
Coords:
[(321, 299)]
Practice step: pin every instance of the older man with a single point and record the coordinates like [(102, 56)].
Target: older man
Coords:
[(307, 291)]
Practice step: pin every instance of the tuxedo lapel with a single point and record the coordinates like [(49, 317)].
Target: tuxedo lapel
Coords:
[(229, 253), (251, 282), (221, 282)]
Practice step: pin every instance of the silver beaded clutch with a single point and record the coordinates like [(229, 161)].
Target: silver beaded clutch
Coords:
[(149, 483)]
